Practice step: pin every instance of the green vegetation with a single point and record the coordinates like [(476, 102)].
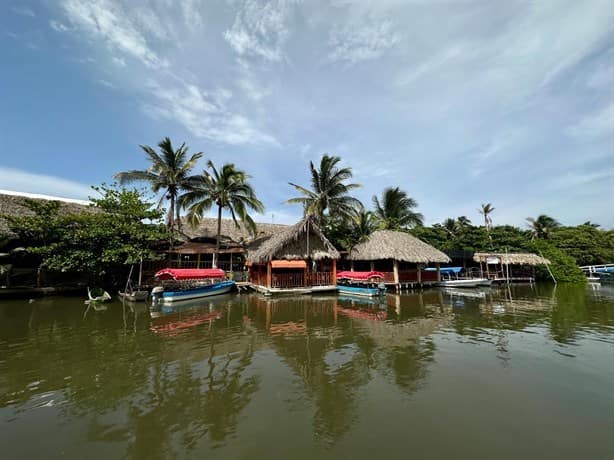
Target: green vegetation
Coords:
[(227, 189), (169, 172), (119, 228), (395, 210)]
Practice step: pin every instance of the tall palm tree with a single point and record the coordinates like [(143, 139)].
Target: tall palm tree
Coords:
[(451, 226), (227, 189), (486, 210), (329, 191), (169, 171), (542, 226), (396, 210)]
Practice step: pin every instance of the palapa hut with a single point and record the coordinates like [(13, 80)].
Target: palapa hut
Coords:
[(498, 265), (400, 256), (198, 248), (297, 259)]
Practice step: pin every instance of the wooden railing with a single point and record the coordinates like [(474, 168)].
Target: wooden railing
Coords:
[(320, 279), (287, 280), (409, 276)]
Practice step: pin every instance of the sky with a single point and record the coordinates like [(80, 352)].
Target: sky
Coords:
[(459, 103)]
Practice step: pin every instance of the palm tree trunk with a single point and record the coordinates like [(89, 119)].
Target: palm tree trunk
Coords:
[(171, 218), (219, 232), (178, 217)]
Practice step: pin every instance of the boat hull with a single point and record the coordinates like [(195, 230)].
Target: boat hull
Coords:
[(468, 283), (359, 291), (168, 297), (136, 296)]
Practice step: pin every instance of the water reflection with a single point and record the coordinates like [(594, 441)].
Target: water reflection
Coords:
[(177, 380)]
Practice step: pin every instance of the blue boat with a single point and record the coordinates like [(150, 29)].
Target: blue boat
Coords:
[(364, 284), (187, 284)]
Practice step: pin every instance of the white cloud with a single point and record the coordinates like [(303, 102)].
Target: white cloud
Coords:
[(361, 42), (204, 114), (23, 181), (57, 26), (259, 30), (106, 83), (108, 21), (595, 125)]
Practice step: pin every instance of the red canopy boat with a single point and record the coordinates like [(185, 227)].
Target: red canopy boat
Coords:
[(180, 274), (358, 276)]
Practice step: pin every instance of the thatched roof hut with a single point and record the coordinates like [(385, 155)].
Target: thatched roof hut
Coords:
[(302, 241), (14, 205), (526, 258), (207, 229), (395, 245)]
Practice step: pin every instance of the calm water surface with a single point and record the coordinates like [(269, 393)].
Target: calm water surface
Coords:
[(477, 374)]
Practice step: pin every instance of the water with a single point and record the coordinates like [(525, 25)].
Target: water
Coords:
[(521, 374)]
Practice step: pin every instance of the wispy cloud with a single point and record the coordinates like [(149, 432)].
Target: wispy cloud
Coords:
[(23, 11), (595, 124), (259, 30), (361, 42), (23, 181), (108, 21)]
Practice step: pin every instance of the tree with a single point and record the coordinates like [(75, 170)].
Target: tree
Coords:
[(451, 226), (227, 189), (119, 228), (486, 210), (349, 232), (395, 210), (329, 194), (463, 222), (169, 172), (542, 226)]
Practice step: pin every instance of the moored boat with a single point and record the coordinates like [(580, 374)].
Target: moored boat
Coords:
[(450, 278), (364, 284), (178, 284)]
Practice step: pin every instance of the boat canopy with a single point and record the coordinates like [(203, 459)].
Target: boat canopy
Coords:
[(445, 270), (179, 274), (358, 276)]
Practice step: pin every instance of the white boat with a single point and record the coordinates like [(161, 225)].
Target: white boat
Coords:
[(188, 283), (450, 278), (465, 283)]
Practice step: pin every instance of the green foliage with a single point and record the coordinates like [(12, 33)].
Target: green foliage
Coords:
[(563, 267), (97, 241), (585, 243), (395, 210)]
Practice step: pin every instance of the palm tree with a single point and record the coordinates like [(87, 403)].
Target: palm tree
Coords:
[(227, 189), (486, 210), (329, 191), (169, 171), (395, 210), (463, 222), (542, 226), (451, 226)]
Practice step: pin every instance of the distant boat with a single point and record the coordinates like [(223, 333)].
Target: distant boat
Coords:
[(450, 278), (364, 284), (178, 284), (131, 293)]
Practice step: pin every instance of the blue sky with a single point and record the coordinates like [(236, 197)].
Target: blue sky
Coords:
[(457, 102)]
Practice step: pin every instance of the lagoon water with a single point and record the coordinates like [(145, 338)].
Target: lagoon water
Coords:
[(526, 373)]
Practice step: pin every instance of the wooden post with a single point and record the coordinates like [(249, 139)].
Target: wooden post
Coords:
[(419, 274), (334, 272), (305, 277), (438, 272), (231, 261), (395, 271), (269, 274), (372, 266), (198, 260), (351, 265)]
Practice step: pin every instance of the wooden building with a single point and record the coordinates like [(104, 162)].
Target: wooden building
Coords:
[(400, 256), (509, 267), (297, 260)]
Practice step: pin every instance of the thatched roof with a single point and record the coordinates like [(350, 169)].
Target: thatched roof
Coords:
[(401, 246), (13, 205), (207, 228), (526, 258), (298, 242)]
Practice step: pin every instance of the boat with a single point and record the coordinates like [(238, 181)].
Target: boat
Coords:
[(364, 284), (450, 278), (131, 293), (178, 284)]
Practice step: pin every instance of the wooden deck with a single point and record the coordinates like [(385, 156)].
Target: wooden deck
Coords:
[(305, 290)]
